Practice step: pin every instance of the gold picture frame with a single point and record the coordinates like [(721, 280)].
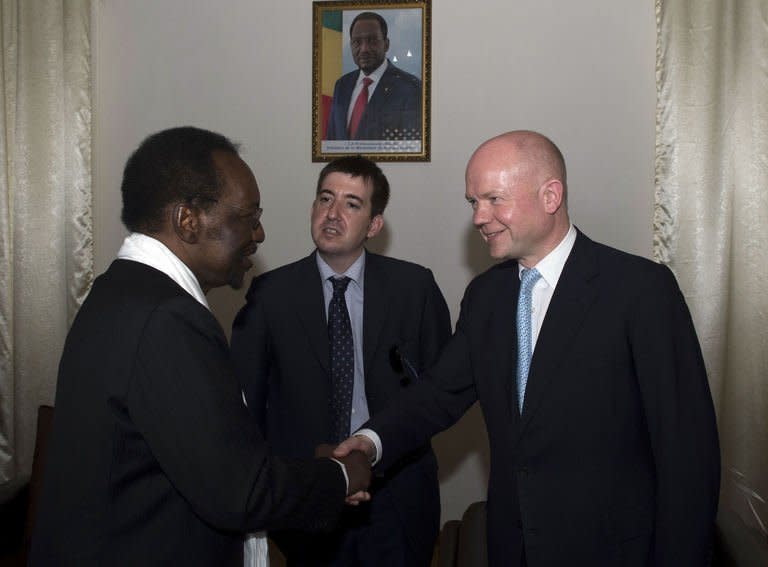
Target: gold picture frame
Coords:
[(392, 49)]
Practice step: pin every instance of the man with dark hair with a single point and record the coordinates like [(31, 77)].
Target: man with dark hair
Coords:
[(153, 457), (175, 165), (326, 341), (378, 101), (604, 447)]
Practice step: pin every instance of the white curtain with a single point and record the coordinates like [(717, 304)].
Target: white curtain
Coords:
[(46, 259), (711, 217)]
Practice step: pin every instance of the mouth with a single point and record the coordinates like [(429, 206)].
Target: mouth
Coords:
[(251, 250), (490, 235), (331, 230), (248, 254)]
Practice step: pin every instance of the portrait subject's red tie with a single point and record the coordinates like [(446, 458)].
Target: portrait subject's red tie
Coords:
[(359, 108)]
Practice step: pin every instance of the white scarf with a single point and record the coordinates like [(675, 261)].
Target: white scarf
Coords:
[(150, 251)]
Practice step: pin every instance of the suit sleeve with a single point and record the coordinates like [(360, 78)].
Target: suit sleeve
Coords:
[(435, 326), (186, 404), (251, 353), (433, 404), (681, 421)]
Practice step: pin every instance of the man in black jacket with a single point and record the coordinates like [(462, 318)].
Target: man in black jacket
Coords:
[(604, 447), (282, 349), (153, 458)]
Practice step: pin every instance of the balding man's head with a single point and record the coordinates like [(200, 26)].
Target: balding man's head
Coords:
[(516, 186), (525, 152)]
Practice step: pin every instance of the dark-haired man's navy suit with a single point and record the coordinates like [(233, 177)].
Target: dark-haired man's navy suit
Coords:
[(280, 349), (393, 111)]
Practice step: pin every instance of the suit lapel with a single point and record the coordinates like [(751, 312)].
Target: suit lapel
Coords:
[(380, 94), (376, 304), (310, 309), (345, 96), (574, 295)]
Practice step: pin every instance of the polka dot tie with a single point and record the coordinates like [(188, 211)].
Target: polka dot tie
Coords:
[(342, 359), (524, 335)]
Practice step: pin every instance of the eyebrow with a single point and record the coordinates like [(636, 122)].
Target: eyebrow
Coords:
[(344, 196), (353, 197)]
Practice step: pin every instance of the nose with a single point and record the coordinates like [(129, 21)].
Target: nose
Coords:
[(480, 215), (333, 210), (258, 233)]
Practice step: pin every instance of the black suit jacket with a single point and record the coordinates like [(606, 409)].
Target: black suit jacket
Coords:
[(281, 355), (153, 458), (615, 459), (393, 112)]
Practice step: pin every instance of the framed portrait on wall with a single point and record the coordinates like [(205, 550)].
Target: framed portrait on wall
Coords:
[(371, 79)]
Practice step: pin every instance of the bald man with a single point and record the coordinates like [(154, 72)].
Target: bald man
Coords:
[(604, 447)]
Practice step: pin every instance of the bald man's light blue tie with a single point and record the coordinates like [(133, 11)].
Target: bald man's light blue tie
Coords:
[(528, 279)]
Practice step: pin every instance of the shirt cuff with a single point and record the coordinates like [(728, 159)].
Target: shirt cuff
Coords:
[(374, 438), (344, 472)]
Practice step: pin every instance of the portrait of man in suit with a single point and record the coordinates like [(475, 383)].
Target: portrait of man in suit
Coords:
[(153, 458), (327, 341), (378, 100), (584, 359)]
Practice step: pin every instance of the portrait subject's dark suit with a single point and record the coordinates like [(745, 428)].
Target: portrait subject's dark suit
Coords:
[(393, 111), (153, 458), (615, 458), (281, 354)]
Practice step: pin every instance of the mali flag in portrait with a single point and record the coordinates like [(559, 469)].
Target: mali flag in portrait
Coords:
[(330, 62)]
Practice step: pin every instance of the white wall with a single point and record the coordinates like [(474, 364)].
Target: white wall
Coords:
[(580, 72)]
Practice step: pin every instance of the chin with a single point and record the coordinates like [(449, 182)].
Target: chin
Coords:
[(498, 254), (237, 282)]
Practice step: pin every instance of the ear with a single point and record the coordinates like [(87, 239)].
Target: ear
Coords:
[(186, 222), (552, 195), (375, 226)]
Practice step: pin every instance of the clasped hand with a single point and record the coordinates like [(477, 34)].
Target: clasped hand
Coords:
[(356, 454)]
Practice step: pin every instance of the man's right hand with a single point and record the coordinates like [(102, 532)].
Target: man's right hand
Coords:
[(358, 467), (356, 443)]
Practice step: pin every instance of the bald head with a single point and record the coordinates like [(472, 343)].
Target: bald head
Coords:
[(523, 152), (516, 186)]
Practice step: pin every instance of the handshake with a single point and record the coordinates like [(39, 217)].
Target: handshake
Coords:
[(356, 454)]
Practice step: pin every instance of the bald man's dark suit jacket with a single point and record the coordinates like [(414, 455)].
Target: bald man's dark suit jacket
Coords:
[(281, 353), (393, 112), (153, 458), (615, 459)]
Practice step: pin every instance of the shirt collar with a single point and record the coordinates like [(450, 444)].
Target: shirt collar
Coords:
[(375, 75), (551, 266), (151, 252), (355, 272)]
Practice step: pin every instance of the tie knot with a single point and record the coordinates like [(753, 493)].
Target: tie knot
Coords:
[(339, 284), (367, 81), (528, 278)]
